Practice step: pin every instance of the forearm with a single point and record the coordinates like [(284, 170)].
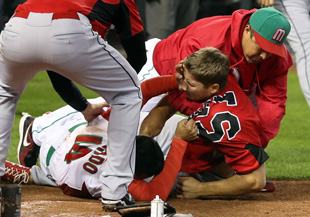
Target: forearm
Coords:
[(235, 185), (157, 86), (68, 91), (152, 124), (271, 109), (156, 119)]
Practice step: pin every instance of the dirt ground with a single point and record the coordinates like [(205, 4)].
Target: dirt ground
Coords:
[(292, 198)]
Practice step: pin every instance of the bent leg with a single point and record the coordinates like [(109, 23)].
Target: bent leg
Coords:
[(98, 66)]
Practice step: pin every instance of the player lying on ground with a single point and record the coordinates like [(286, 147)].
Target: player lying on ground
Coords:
[(44, 132), (72, 154), (228, 128)]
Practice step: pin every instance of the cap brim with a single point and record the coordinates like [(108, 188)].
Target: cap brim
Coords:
[(269, 46)]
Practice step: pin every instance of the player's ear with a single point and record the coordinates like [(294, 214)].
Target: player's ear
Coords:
[(214, 88), (247, 28)]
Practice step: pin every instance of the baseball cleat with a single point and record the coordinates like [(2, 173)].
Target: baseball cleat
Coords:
[(16, 174), (110, 205), (27, 150), (269, 187)]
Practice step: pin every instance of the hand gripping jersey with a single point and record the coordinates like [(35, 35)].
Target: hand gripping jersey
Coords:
[(229, 129)]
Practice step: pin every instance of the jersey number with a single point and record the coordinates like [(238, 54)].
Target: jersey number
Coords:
[(77, 151), (218, 131)]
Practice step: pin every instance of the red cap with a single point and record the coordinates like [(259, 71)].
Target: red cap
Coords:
[(269, 46)]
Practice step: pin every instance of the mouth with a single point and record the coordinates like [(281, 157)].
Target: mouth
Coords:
[(255, 60)]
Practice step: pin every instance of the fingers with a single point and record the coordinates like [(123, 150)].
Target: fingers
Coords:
[(180, 67), (178, 76), (105, 104), (180, 80), (186, 130), (188, 187), (179, 188), (265, 3), (193, 129), (191, 124), (93, 110)]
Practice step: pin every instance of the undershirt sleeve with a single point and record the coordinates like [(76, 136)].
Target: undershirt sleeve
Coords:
[(68, 91), (162, 183)]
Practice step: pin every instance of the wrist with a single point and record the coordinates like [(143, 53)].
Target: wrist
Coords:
[(86, 108)]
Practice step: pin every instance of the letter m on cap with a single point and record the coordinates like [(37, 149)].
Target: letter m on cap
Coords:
[(278, 35)]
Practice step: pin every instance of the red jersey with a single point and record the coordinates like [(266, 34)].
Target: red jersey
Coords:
[(123, 14), (229, 128), (225, 33)]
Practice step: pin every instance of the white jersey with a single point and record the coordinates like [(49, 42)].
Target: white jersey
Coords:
[(73, 152)]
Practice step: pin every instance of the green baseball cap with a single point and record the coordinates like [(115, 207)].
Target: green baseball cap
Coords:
[(270, 30)]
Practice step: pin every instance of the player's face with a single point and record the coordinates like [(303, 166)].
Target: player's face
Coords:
[(251, 50), (195, 90)]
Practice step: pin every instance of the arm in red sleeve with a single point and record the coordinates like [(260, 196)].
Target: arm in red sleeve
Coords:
[(152, 87), (162, 183), (272, 95), (271, 106), (158, 85)]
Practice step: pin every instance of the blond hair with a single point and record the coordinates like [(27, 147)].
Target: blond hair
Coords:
[(208, 66)]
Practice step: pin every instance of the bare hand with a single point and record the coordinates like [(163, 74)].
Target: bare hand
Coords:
[(180, 67), (188, 187), (180, 74), (93, 110), (265, 3), (186, 130)]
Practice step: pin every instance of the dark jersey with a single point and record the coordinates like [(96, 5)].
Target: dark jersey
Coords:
[(123, 14)]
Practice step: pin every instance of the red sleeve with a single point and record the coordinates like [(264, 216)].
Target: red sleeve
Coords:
[(152, 87), (271, 106), (272, 95), (158, 85), (162, 183)]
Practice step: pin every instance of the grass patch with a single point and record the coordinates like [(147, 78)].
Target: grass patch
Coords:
[(289, 150)]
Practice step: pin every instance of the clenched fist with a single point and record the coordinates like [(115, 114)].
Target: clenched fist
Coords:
[(186, 130)]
